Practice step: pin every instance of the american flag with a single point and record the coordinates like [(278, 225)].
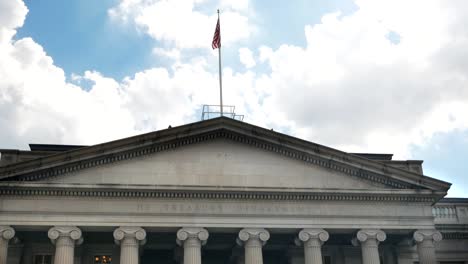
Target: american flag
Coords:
[(217, 37)]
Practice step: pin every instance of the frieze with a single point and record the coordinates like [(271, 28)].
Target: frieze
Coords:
[(375, 178)]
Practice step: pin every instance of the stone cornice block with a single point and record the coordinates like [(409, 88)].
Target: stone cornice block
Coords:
[(7, 232), (72, 232), (137, 233), (198, 233), (427, 234)]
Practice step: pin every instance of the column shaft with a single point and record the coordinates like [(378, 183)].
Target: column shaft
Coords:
[(192, 251), (370, 252), (64, 250), (313, 252), (426, 252), (3, 250), (129, 251), (253, 252)]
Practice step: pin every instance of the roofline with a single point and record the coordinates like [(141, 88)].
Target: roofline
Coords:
[(454, 200), (200, 127), (53, 147)]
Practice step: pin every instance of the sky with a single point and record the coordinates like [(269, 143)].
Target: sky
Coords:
[(378, 76)]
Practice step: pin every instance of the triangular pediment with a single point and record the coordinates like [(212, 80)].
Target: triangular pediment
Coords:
[(218, 152), (218, 162)]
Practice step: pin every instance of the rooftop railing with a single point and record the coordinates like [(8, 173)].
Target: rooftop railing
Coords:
[(213, 111)]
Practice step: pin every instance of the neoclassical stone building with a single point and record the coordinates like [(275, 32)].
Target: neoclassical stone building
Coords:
[(223, 191)]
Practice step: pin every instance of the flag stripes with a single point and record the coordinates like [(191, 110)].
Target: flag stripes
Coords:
[(216, 44)]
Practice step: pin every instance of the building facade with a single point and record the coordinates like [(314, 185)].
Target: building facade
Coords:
[(223, 191)]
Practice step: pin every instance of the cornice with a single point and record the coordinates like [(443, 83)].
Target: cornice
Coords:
[(213, 193)]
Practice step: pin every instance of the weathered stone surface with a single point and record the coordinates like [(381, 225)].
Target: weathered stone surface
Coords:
[(216, 163)]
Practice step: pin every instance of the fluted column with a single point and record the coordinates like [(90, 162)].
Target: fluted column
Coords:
[(253, 240), (6, 233), (129, 238), (369, 240), (313, 239), (425, 242), (65, 238), (192, 238)]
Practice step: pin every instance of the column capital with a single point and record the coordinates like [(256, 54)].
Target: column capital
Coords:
[(186, 233), (319, 235), (366, 234), (258, 234), (71, 232), (369, 235), (123, 232), (7, 232), (427, 234)]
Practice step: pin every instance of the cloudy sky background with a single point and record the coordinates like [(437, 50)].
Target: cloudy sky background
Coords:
[(386, 76)]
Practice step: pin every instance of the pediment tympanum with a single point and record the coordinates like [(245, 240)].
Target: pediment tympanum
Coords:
[(219, 162)]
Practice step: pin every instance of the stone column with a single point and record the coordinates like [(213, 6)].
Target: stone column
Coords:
[(425, 239), (6, 233), (192, 238), (253, 240), (313, 240), (369, 240), (129, 238), (65, 238)]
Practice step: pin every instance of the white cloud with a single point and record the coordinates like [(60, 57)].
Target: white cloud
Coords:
[(179, 23), (241, 5), (352, 88), (246, 57), (169, 53), (37, 104), (12, 15)]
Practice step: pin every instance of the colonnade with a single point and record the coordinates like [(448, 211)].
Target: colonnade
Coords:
[(65, 238)]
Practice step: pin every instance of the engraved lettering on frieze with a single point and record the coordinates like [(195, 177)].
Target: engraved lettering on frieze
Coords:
[(227, 208), (143, 207)]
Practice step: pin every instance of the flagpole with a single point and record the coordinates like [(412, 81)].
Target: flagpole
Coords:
[(220, 74)]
